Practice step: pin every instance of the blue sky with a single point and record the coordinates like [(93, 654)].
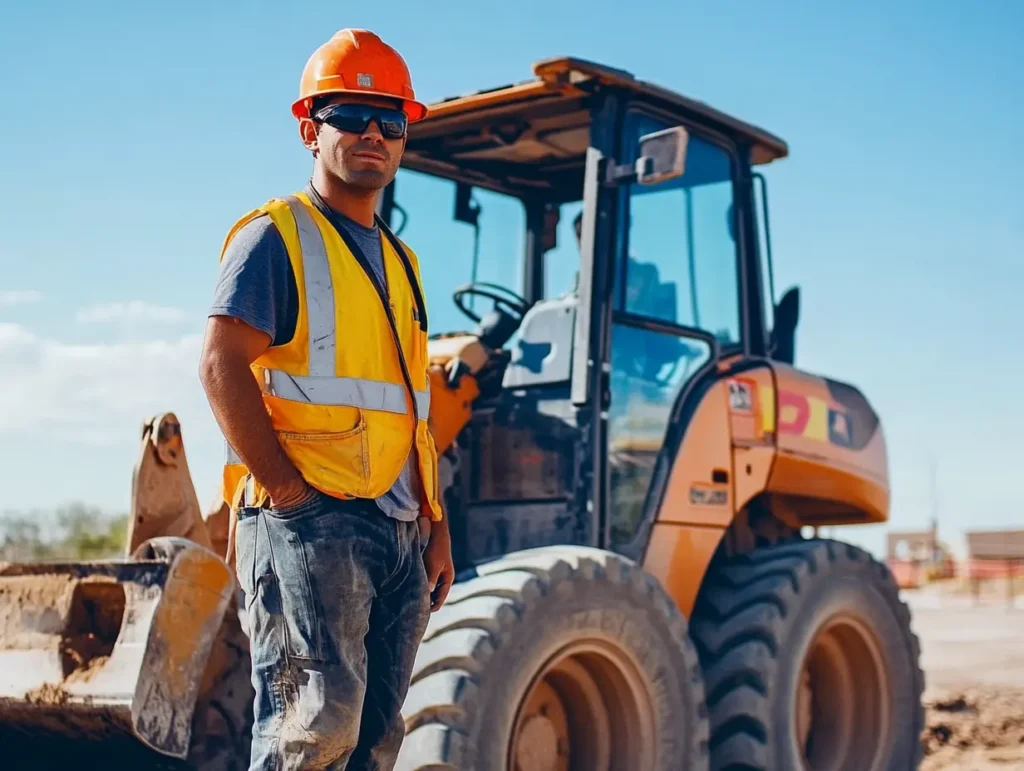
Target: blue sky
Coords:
[(132, 138)]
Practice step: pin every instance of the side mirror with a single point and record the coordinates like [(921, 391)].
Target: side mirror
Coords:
[(466, 210), (549, 230), (662, 155), (787, 315)]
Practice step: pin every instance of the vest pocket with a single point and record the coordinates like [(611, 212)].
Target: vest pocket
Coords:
[(427, 452), (334, 462)]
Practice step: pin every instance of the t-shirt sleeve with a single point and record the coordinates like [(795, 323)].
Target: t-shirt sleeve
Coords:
[(255, 282)]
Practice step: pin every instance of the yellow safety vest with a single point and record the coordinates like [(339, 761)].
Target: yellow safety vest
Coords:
[(336, 393)]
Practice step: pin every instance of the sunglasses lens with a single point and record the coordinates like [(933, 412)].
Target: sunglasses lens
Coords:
[(392, 125), (354, 118)]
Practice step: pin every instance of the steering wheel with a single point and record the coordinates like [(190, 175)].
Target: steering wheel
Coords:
[(511, 304)]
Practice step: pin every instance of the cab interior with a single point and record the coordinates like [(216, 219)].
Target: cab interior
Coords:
[(531, 151)]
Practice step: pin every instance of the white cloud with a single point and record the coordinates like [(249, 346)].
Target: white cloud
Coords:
[(130, 312), (97, 394), (13, 336), (12, 297)]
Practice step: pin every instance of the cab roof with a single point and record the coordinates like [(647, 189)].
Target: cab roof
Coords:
[(533, 135)]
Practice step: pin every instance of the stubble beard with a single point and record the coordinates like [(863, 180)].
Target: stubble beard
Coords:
[(364, 182)]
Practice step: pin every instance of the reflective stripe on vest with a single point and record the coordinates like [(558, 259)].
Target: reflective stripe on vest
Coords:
[(321, 386), (319, 291), (344, 391), (230, 456)]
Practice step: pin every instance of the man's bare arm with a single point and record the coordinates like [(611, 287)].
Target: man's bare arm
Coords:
[(229, 348)]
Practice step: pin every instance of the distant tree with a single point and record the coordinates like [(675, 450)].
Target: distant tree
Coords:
[(89, 535), (20, 539), (72, 532)]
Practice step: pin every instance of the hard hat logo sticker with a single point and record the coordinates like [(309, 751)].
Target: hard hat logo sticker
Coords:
[(364, 80)]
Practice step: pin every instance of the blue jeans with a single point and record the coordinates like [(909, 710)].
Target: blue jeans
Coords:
[(337, 603)]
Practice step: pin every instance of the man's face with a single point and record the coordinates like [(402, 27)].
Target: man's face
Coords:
[(366, 160)]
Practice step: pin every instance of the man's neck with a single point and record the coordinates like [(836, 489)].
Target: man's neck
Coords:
[(358, 205)]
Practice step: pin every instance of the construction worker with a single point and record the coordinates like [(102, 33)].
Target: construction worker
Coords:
[(315, 366)]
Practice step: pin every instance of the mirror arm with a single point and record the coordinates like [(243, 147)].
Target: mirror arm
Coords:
[(662, 157), (628, 174)]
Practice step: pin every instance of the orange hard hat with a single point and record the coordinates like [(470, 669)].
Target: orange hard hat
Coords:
[(357, 61)]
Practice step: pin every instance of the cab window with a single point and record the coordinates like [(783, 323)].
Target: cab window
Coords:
[(452, 252), (677, 261)]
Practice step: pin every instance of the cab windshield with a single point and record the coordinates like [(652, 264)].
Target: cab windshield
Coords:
[(454, 253)]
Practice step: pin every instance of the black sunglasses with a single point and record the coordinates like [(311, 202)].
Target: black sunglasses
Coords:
[(354, 118)]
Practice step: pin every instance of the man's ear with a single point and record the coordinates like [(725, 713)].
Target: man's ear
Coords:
[(309, 135)]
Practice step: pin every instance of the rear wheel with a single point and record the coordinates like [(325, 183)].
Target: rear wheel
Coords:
[(809, 661), (556, 659)]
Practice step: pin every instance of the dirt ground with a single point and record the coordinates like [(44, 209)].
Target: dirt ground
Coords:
[(973, 657)]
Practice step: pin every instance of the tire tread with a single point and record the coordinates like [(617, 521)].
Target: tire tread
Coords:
[(451, 669), (737, 626)]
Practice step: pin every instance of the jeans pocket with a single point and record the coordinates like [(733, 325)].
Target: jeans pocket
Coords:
[(245, 550), (292, 512), (301, 614)]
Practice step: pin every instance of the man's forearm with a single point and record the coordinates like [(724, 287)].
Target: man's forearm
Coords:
[(237, 405)]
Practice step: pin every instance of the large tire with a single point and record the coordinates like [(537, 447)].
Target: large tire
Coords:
[(484, 651), (773, 628)]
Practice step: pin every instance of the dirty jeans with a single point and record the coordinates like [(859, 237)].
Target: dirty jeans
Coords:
[(337, 603)]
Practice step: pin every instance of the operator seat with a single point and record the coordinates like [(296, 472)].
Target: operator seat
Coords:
[(542, 350)]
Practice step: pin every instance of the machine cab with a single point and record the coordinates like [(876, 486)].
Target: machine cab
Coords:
[(589, 246)]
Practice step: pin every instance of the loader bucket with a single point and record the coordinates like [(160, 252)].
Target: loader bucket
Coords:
[(100, 650)]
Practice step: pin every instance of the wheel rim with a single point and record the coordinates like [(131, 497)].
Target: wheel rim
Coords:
[(587, 709), (842, 707)]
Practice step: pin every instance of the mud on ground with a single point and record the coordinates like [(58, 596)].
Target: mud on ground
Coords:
[(973, 657), (978, 729)]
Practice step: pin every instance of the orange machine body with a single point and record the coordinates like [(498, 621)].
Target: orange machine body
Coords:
[(806, 449)]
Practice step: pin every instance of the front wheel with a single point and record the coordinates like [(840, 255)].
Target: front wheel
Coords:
[(809, 662), (556, 659)]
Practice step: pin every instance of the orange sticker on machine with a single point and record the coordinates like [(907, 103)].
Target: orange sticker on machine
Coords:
[(751, 408), (742, 395), (745, 401), (813, 418), (757, 410)]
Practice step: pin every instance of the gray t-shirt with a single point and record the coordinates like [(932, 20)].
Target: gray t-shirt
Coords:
[(257, 285)]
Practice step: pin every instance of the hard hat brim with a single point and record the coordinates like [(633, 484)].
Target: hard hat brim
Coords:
[(414, 110)]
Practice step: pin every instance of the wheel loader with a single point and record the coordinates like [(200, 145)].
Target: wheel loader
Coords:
[(634, 469)]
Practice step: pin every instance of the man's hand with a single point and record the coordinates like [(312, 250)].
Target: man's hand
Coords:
[(424, 524), (294, 495), (437, 559)]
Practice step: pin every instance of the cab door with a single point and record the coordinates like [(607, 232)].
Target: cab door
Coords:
[(674, 316)]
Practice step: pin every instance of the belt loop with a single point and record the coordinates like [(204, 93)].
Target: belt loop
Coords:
[(249, 492)]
